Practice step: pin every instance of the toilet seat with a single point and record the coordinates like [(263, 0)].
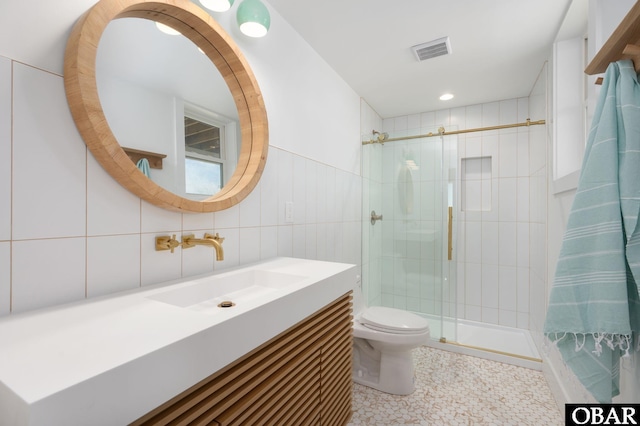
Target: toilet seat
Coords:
[(390, 320)]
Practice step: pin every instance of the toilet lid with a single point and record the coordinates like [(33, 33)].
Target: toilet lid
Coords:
[(393, 320)]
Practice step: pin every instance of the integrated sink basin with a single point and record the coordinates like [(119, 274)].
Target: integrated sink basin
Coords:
[(208, 293), (112, 359)]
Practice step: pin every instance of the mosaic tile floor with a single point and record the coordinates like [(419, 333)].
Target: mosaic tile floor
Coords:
[(456, 389)]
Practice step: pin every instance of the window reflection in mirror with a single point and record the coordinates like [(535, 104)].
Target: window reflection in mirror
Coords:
[(148, 82), (210, 150)]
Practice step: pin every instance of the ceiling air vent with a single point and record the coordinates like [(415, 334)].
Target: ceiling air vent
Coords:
[(432, 49)]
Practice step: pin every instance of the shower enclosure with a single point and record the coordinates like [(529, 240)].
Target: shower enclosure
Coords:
[(409, 258), (432, 235)]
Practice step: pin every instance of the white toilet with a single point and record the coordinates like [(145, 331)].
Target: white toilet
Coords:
[(383, 339)]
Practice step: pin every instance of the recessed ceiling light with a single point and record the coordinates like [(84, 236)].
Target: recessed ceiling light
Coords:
[(446, 97)]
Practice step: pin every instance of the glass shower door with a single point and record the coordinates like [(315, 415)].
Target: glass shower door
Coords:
[(406, 254)]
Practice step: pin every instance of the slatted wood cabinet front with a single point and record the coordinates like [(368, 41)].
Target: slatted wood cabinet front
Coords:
[(300, 377)]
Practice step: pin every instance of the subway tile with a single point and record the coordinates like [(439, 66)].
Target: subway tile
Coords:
[(508, 278), (490, 286), (428, 122), (489, 200), (285, 183), (311, 243), (193, 221), (490, 240), (523, 242), (268, 242), (508, 114), (158, 220), (322, 193), (200, 259), (473, 284), (299, 190), (443, 118), (269, 190), (111, 209), (473, 242), (285, 240), (49, 167), (490, 315), (249, 209), (473, 313), (508, 244), (523, 154), (5, 152), (413, 123), (113, 264), (523, 320), (249, 245), (158, 266), (473, 146), (457, 118), (508, 155), (47, 272), (508, 200), (473, 116), (490, 114), (351, 242), (523, 205), (522, 303), (508, 318), (299, 245), (227, 218), (5, 278), (311, 200)]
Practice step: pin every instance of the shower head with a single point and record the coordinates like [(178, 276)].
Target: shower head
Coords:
[(381, 137)]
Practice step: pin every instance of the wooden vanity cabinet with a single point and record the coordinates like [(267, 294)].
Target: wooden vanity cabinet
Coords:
[(300, 377)]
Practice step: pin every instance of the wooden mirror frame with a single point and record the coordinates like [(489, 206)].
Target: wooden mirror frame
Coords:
[(198, 26)]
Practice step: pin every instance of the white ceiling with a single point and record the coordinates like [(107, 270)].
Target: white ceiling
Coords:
[(498, 47)]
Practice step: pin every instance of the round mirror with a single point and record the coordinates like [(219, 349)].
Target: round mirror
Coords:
[(116, 134)]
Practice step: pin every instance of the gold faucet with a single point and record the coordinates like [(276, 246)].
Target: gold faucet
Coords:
[(210, 240), (167, 243)]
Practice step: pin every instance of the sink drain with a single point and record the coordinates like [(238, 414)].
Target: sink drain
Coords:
[(226, 304)]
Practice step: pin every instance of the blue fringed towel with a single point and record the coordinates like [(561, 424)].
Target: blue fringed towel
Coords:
[(594, 310), (143, 166)]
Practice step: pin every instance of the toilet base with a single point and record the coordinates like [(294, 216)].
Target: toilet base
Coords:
[(390, 372)]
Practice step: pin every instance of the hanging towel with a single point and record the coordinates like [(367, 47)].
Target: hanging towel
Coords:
[(594, 311), (143, 165)]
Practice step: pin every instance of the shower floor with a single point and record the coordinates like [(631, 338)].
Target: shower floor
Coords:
[(489, 341)]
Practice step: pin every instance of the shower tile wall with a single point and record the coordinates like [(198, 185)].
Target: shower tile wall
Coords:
[(492, 246)]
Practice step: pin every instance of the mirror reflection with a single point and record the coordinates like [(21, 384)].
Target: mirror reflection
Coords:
[(168, 106)]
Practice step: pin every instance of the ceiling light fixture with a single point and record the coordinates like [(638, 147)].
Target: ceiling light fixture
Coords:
[(253, 18), (446, 97), (167, 29), (217, 5)]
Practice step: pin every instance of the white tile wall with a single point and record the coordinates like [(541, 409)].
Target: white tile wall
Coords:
[(5, 149), (68, 231), (113, 264), (493, 246), (49, 159), (47, 272), (5, 277)]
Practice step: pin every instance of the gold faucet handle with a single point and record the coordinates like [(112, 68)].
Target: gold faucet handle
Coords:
[(216, 237), (185, 241), (167, 243)]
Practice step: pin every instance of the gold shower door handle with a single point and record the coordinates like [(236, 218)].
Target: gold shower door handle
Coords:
[(450, 234)]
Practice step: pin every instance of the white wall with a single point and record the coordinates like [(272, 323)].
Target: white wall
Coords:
[(68, 231)]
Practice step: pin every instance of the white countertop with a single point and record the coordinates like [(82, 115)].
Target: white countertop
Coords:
[(112, 359)]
